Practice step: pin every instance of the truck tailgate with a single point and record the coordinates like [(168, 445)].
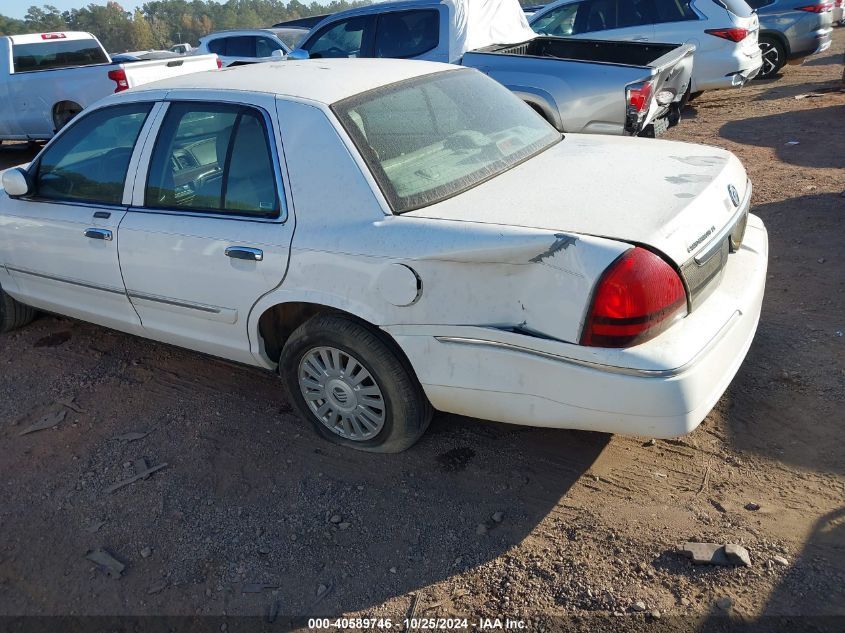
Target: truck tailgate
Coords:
[(143, 72)]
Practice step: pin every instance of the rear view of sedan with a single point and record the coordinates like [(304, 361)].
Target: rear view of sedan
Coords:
[(791, 30)]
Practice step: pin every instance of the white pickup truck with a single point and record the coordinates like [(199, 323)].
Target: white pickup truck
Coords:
[(48, 78)]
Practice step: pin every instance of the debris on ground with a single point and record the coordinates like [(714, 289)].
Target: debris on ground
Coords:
[(71, 405), (753, 507), (144, 474), (780, 560), (157, 588), (146, 552), (256, 587), (716, 554), (106, 562), (48, 421), (132, 436), (724, 603), (94, 526)]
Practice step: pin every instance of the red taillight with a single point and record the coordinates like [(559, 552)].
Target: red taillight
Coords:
[(734, 35), (639, 96), (638, 297), (816, 8), (119, 77), (219, 63)]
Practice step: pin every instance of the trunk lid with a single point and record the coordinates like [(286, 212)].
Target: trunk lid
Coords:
[(673, 197)]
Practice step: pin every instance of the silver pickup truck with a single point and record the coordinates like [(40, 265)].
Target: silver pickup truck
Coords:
[(601, 87)]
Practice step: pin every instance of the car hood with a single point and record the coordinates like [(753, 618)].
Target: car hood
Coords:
[(668, 195)]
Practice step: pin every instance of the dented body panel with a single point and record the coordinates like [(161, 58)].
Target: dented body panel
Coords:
[(485, 293)]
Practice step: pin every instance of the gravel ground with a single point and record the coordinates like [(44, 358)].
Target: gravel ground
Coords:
[(253, 515)]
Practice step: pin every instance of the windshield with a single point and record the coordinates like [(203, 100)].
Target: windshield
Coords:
[(432, 137)]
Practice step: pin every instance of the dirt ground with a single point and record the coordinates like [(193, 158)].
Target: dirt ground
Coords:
[(254, 515)]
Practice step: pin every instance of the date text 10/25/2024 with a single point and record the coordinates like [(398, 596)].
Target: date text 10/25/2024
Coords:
[(406, 624)]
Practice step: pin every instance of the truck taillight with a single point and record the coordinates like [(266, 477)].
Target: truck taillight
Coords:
[(639, 96), (636, 299), (119, 77), (816, 8), (733, 35)]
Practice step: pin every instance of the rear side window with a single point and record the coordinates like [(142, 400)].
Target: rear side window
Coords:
[(406, 34), (241, 46), (739, 8), (57, 54), (214, 158), (218, 46), (88, 162), (671, 10)]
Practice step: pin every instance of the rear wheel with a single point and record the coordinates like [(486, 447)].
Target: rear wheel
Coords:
[(354, 387), (13, 314), (774, 57)]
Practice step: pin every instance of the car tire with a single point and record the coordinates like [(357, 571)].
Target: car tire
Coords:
[(774, 57), (373, 401), (13, 314)]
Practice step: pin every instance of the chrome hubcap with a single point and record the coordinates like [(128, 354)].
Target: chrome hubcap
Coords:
[(342, 393), (770, 58)]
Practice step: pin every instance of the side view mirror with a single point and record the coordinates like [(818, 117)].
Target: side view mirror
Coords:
[(299, 54), (277, 53), (16, 182)]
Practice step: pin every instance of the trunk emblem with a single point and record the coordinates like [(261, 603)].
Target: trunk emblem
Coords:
[(734, 194)]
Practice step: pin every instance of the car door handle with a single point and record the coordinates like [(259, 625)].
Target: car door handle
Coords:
[(98, 234), (243, 252)]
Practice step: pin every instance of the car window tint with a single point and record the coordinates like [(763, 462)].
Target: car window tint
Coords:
[(88, 162), (218, 46), (264, 46), (57, 54), (601, 15), (672, 10), (407, 33), (558, 22), (242, 46), (213, 157), (342, 39)]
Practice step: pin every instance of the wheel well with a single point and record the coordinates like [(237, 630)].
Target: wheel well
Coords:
[(64, 106), (278, 322), (777, 35)]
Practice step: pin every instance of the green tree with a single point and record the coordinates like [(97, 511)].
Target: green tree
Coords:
[(140, 33)]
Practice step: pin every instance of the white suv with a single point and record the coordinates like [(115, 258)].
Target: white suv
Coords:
[(723, 31), (244, 46)]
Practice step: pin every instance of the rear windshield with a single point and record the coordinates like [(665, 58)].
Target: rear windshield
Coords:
[(430, 138), (739, 8), (57, 54)]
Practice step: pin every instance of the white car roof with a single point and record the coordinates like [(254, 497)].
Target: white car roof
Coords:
[(322, 80), (54, 36)]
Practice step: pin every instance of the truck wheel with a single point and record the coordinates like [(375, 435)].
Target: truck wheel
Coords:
[(13, 314), (774, 57), (353, 386)]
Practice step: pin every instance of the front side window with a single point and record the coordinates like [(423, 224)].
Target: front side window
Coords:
[(559, 22), (217, 46), (213, 158), (88, 163), (343, 39), (432, 137), (264, 46), (57, 54), (601, 16), (406, 34)]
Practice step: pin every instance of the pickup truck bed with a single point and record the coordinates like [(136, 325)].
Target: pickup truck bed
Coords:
[(609, 52), (592, 74)]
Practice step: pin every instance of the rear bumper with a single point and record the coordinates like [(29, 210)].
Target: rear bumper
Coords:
[(506, 377), (722, 69), (818, 42)]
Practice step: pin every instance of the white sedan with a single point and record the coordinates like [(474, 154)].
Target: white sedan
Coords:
[(396, 237)]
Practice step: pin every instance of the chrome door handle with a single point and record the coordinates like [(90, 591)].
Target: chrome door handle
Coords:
[(243, 252), (99, 234)]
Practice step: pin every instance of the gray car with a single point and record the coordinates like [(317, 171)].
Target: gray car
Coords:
[(791, 30)]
